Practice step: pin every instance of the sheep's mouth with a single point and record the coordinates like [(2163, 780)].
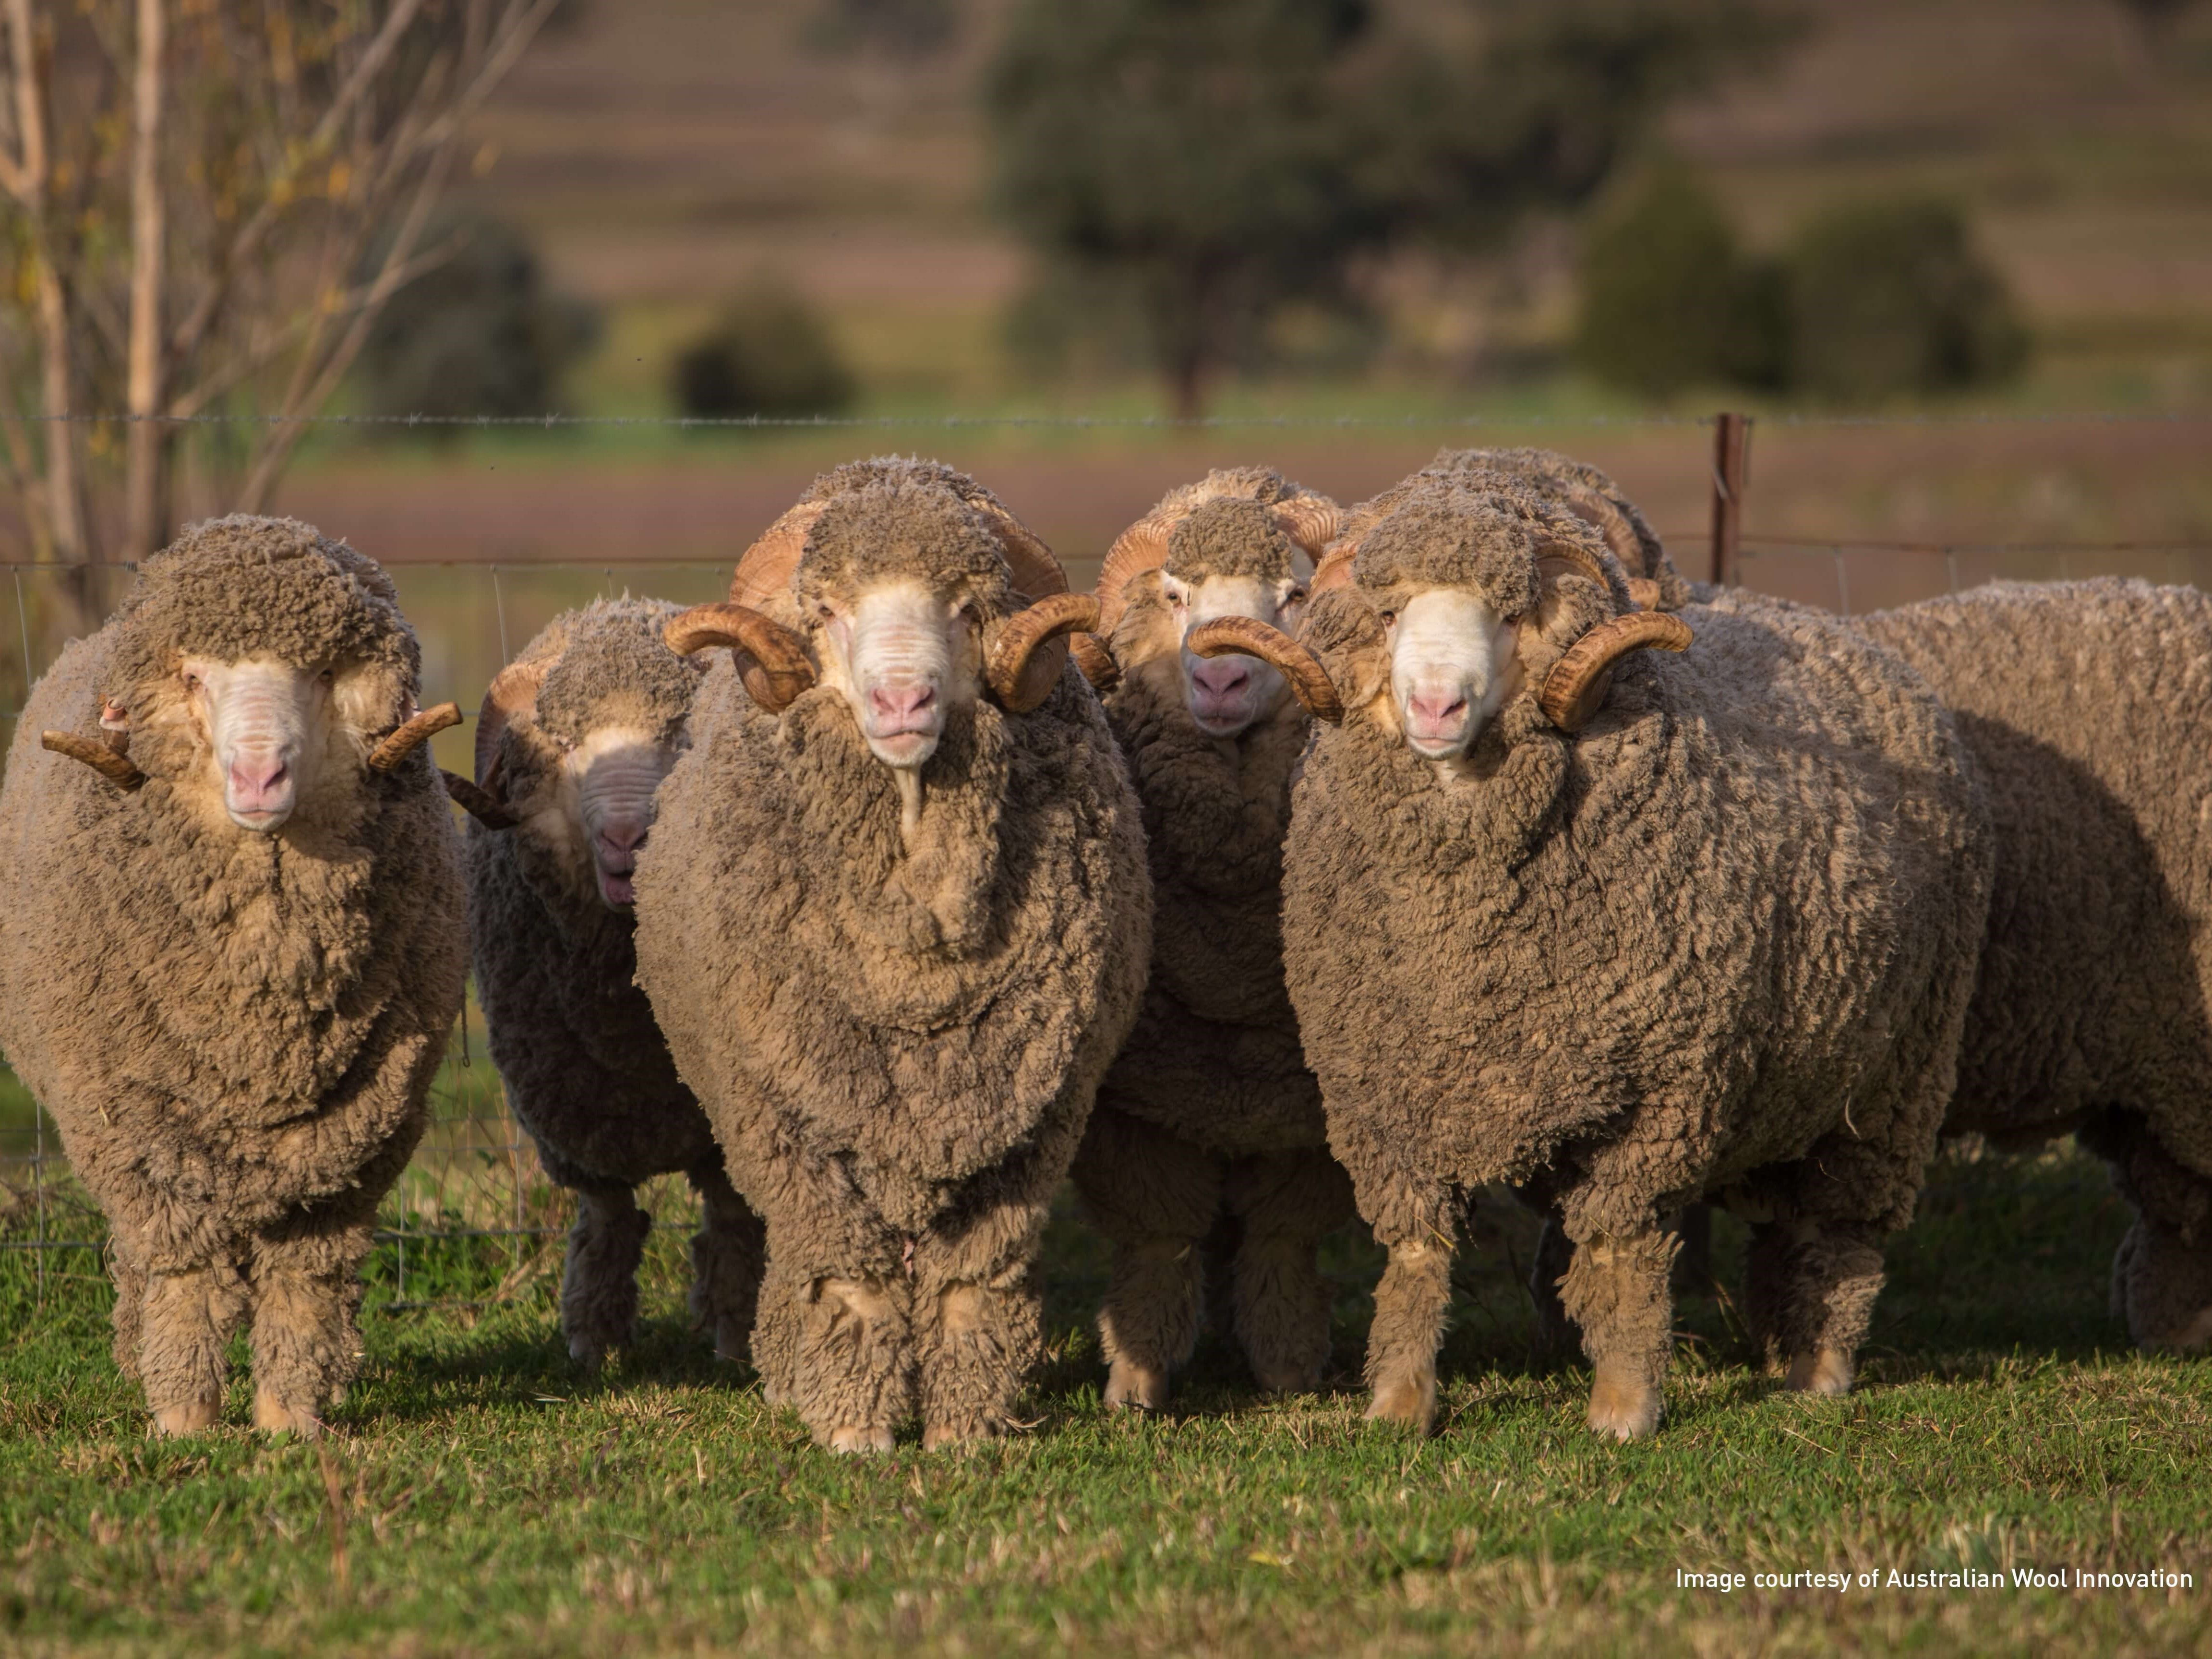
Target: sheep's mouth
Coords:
[(617, 889)]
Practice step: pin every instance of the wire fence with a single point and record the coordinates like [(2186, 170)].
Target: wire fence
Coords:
[(475, 1222)]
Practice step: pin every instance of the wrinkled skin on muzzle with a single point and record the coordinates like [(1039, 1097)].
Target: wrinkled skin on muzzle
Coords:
[(1227, 694), (268, 726), (609, 781), (1453, 666), (902, 656)]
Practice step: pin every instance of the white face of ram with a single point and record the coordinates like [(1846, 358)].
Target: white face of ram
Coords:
[(607, 788), (271, 729), (902, 657), (1452, 667), (1227, 694)]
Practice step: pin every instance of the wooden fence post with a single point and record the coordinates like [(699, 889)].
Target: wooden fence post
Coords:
[(1731, 452)]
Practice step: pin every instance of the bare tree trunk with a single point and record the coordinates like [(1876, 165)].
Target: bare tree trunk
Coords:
[(146, 486)]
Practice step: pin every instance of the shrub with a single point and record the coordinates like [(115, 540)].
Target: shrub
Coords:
[(1890, 297), (768, 353), (1668, 301), (479, 333)]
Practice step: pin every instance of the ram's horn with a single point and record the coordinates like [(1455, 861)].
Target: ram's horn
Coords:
[(1592, 508), (512, 691), (418, 729), (1034, 570), (1250, 637), (1311, 521), (1095, 661), (1581, 560), (771, 657), (1334, 570), (1578, 683), (479, 803), (1025, 662), (764, 569), (1645, 592), (1143, 546), (110, 762)]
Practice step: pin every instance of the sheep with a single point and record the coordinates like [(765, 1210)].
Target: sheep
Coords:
[(232, 948), (1210, 1104), (2084, 704), (575, 736), (1621, 930), (894, 920)]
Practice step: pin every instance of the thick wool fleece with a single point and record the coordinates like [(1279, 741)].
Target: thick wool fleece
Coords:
[(1719, 942), (898, 1041), (236, 1032), (1210, 1102), (586, 1070), (1543, 468), (2086, 705)]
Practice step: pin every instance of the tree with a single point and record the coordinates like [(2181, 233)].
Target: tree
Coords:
[(187, 191)]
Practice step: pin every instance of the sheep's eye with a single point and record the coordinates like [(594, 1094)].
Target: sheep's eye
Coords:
[(825, 612), (1389, 618), (191, 682), (1296, 597), (329, 676)]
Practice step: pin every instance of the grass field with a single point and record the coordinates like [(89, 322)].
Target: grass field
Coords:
[(479, 1497)]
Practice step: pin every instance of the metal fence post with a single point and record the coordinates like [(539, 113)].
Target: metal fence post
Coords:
[(1731, 453)]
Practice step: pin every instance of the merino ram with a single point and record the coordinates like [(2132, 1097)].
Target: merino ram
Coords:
[(2087, 707), (231, 949), (894, 920), (1622, 930), (576, 736), (1210, 1106)]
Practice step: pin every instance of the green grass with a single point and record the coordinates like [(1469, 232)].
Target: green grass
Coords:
[(479, 1497)]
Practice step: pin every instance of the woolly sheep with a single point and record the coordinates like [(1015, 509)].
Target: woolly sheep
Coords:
[(1620, 930), (575, 735), (231, 949), (894, 920), (1210, 1102), (2087, 707)]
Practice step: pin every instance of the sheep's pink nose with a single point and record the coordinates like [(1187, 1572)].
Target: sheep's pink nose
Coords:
[(254, 776), (618, 844), (901, 705), (1436, 710), (1219, 676)]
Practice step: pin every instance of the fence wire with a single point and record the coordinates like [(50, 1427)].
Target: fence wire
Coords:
[(475, 1222)]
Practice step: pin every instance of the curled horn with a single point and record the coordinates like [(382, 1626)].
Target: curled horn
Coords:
[(1311, 521), (1578, 681), (1645, 592), (771, 657), (1250, 637), (111, 762), (478, 802), (1095, 661), (764, 569), (1609, 521), (417, 730), (1584, 562), (1017, 671), (513, 690), (1143, 546), (1335, 569)]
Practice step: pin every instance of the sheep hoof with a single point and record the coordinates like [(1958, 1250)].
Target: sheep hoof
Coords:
[(856, 1440), (189, 1416), (1625, 1409), (949, 1436), (587, 1355), (1409, 1400), (272, 1415), (1140, 1388), (1823, 1371)]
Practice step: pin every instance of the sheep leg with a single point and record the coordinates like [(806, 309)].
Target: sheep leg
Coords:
[(306, 1283), (1287, 1202), (1410, 1304), (1555, 1336), (979, 1320), (1154, 1195), (726, 1254), (1815, 1284), (832, 1334), (1616, 1290), (184, 1318), (599, 1283), (2162, 1274)]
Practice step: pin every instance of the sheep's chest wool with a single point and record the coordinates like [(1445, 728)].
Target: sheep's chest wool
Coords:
[(1642, 963), (906, 1017)]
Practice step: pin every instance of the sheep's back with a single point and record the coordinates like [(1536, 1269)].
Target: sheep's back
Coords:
[(1683, 945), (2088, 708)]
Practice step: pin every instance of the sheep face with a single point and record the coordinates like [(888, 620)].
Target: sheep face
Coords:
[(1227, 695), (1453, 663), (902, 653), (265, 730)]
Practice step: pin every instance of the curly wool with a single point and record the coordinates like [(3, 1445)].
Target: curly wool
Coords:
[(896, 1041), (1718, 942), (586, 1070), (2084, 703), (1547, 467), (236, 1033)]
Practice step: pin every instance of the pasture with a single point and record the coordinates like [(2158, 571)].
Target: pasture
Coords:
[(479, 1496)]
